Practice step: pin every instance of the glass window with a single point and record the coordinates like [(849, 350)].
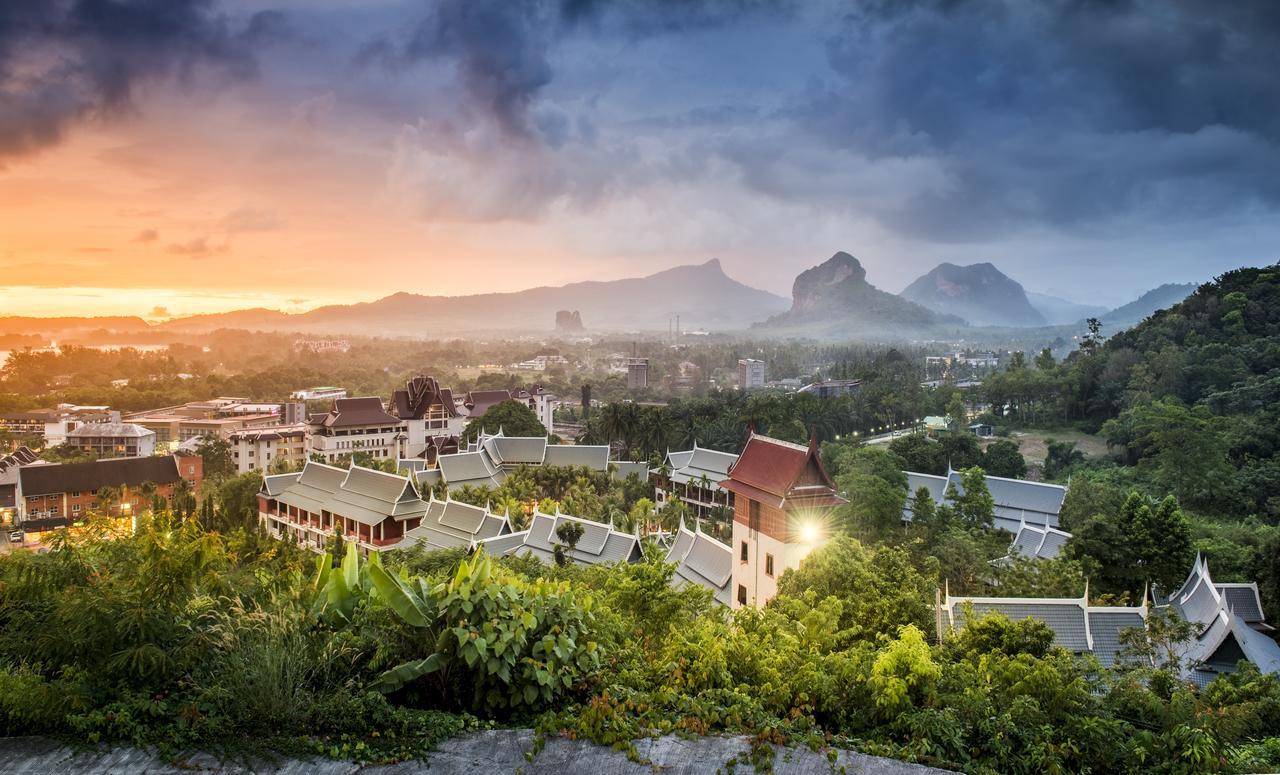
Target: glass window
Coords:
[(768, 565), (742, 594), (743, 553)]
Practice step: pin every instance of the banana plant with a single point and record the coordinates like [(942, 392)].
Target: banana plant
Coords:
[(410, 599), (338, 590)]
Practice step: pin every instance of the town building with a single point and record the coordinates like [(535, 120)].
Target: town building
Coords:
[(1229, 619), (694, 476), (370, 508), (982, 430), (477, 402), (637, 373), (356, 425), (751, 374), (702, 560), (218, 417), (832, 388), (113, 439), (1017, 502), (450, 524), (598, 544), (9, 465), (428, 412), (541, 362), (52, 495), (49, 427), (323, 393), (256, 449), (783, 502)]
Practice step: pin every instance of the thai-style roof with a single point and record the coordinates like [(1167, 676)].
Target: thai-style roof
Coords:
[(599, 543), (354, 412), (702, 560), (365, 495), (1077, 626), (693, 464), (1017, 502), (487, 460), (450, 524), (774, 471), (419, 396), (1038, 543), (595, 457)]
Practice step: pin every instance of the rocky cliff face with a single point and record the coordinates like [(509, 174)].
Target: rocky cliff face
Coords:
[(978, 293), (568, 322), (834, 298)]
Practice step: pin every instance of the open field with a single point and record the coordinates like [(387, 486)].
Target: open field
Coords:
[(1034, 444)]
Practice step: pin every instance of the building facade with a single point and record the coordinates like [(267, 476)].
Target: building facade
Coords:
[(783, 502), (428, 412), (356, 425), (637, 373), (751, 374), (694, 476), (55, 495), (113, 439), (256, 449)]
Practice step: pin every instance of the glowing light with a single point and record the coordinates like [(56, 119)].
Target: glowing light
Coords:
[(810, 533)]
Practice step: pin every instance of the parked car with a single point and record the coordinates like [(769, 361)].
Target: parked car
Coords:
[(16, 537)]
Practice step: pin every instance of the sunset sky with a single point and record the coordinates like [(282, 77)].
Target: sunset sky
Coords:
[(178, 156)]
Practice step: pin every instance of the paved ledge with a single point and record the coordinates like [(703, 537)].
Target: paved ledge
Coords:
[(483, 752)]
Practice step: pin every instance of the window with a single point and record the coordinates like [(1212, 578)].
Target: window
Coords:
[(768, 565), (75, 507), (754, 514), (743, 554), (742, 595), (75, 495)]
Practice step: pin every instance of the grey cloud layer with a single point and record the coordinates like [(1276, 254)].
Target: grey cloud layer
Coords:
[(63, 59)]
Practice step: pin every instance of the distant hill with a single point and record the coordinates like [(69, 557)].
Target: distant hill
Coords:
[(1148, 303), (702, 295), (978, 293), (1061, 312), (834, 299)]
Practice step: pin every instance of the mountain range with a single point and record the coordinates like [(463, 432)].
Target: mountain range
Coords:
[(834, 299), (702, 295), (979, 293)]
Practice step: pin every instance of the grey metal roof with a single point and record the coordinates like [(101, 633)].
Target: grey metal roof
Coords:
[(1105, 627), (96, 430), (1017, 502), (504, 545), (592, 456), (273, 485), (1066, 617), (702, 560), (599, 542), (678, 460), (625, 468), (473, 468), (514, 450), (451, 524), (1244, 600), (1041, 543)]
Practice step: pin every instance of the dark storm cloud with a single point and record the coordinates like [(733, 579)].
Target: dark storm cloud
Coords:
[(502, 48), (1060, 112), (64, 59)]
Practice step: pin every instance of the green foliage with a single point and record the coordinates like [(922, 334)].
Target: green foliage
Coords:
[(511, 417), (1142, 543)]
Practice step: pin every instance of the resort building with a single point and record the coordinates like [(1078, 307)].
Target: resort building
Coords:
[(52, 495), (694, 476), (702, 560), (356, 425), (599, 543), (783, 500), (1017, 502), (255, 449), (428, 413), (49, 427), (113, 439), (487, 460), (371, 508), (451, 524)]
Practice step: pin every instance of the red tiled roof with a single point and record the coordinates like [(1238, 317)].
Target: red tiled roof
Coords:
[(479, 401), (775, 467)]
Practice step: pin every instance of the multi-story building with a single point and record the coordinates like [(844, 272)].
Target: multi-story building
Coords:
[(255, 449), (50, 426), (323, 393), (542, 402), (694, 476), (783, 500), (428, 412), (113, 439), (52, 495), (751, 374), (356, 425), (9, 466), (637, 373)]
